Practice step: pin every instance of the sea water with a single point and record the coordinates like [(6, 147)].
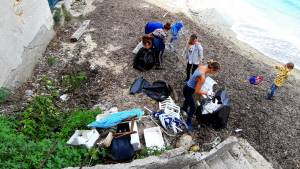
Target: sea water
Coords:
[(271, 26)]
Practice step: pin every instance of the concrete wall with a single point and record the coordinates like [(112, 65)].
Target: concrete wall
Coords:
[(25, 31)]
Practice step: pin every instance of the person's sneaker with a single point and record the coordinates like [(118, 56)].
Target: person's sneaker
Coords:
[(189, 125), (190, 128), (268, 97)]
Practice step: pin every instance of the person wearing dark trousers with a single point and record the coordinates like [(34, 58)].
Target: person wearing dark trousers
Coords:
[(159, 38), (188, 70), (194, 85), (193, 55), (159, 47)]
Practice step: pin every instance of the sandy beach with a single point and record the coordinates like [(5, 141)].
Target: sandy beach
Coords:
[(271, 127)]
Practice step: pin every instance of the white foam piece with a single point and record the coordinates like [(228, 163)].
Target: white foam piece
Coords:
[(135, 139), (86, 138), (153, 137)]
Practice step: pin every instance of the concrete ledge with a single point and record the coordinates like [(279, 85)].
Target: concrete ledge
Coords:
[(30, 56)]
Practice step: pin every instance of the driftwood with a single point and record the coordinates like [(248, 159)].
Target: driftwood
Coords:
[(48, 155), (76, 36)]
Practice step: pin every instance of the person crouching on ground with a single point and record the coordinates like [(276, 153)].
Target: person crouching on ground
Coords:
[(159, 39), (283, 72), (153, 25), (144, 59), (194, 85), (193, 55)]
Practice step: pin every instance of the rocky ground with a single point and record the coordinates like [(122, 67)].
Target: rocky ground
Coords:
[(104, 53)]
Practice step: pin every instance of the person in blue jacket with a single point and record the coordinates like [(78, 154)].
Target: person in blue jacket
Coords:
[(175, 29), (151, 26)]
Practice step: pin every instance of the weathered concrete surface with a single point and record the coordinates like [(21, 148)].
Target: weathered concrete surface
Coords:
[(233, 153), (25, 31)]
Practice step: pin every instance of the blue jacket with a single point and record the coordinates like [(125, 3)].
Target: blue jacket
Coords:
[(151, 26), (176, 27)]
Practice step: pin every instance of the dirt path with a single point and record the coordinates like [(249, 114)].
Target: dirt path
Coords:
[(272, 127)]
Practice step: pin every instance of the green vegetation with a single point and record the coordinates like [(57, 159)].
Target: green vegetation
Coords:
[(153, 151), (66, 13), (73, 81), (4, 93), (98, 154), (51, 60), (18, 151), (57, 16), (69, 83), (26, 143), (41, 118), (50, 85), (78, 119)]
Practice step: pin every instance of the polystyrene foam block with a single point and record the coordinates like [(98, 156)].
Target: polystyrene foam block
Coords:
[(135, 139), (86, 138), (153, 137)]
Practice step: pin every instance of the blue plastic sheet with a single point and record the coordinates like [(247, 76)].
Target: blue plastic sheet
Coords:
[(115, 118)]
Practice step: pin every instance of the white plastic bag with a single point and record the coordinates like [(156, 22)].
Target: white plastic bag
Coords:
[(137, 48)]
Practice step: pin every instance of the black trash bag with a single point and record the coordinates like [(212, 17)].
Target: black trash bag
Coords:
[(144, 59), (218, 118), (158, 90), (121, 148)]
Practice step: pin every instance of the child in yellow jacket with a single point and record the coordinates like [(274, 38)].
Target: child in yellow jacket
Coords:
[(283, 73)]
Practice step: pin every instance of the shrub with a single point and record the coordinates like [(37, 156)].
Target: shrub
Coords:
[(41, 118), (66, 13), (50, 85), (51, 60), (74, 81), (4, 93), (78, 119), (17, 151), (57, 16)]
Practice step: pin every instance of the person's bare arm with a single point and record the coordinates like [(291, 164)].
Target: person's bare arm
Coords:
[(200, 82)]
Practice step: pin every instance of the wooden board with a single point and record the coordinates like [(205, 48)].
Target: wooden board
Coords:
[(76, 36)]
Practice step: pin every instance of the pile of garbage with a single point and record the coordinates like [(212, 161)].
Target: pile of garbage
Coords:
[(123, 138)]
